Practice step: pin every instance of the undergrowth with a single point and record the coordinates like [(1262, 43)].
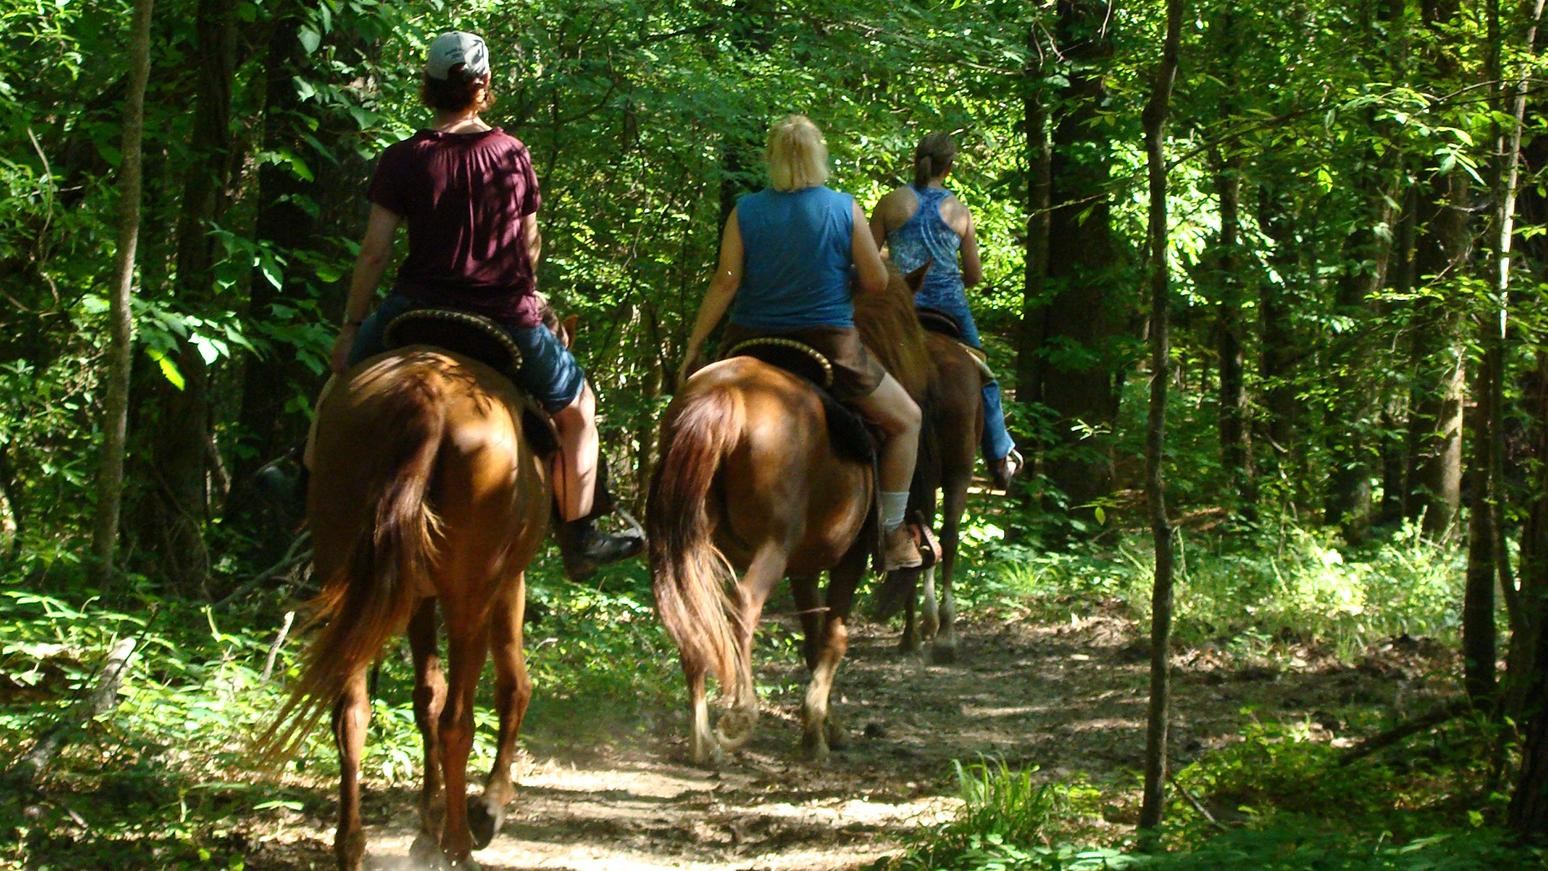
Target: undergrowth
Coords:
[(164, 780), (1274, 801), (1247, 589), (1280, 797)]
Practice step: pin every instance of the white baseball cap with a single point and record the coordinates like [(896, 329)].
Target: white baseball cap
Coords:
[(456, 47)]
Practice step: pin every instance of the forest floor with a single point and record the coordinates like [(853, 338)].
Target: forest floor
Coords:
[(1067, 698)]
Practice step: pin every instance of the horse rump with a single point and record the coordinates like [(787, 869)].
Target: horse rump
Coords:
[(379, 549)]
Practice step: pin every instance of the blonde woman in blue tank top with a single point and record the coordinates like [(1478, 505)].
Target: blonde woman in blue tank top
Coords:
[(785, 259), (926, 222)]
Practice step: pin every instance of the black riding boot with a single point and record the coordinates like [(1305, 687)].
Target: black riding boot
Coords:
[(584, 547)]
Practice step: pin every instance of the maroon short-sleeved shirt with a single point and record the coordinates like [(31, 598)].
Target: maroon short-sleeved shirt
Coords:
[(463, 196)]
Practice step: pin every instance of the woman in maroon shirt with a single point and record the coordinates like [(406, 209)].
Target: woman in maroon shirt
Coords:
[(468, 194)]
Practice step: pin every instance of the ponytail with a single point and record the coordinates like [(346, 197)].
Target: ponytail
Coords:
[(933, 157), (923, 170)]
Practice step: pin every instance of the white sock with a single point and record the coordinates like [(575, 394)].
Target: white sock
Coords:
[(893, 504)]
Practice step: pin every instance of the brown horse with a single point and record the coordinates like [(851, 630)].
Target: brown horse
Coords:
[(423, 491), (749, 490), (952, 427)]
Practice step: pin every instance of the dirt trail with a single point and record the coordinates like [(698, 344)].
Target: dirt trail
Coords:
[(1069, 699)]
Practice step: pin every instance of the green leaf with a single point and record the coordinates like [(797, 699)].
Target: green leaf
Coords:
[(168, 369), (310, 39)]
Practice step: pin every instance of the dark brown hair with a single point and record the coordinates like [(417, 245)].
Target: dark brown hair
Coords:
[(932, 157), (457, 91)]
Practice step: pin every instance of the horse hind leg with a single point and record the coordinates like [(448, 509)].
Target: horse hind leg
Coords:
[(467, 645), (513, 691), (429, 699), (944, 648), (351, 715), (819, 730), (704, 748), (930, 618), (809, 609), (764, 571), (910, 641)]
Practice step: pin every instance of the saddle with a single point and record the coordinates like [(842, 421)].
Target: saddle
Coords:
[(483, 340), (846, 429), (937, 321)]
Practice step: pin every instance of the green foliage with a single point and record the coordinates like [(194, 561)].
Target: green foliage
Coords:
[(1250, 589), (162, 778), (1289, 802)]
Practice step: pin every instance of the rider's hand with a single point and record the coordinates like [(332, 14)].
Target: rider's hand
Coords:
[(338, 359)]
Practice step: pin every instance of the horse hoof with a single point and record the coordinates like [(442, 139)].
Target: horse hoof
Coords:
[(709, 755), (350, 851), (815, 749), (736, 727), (483, 821), (942, 655), (425, 852)]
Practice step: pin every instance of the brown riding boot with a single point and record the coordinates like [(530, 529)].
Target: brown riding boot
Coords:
[(583, 548), (900, 551)]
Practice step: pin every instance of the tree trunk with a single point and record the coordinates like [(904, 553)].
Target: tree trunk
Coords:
[(177, 421), (1435, 420), (1235, 435), (1155, 437), (110, 477), (1080, 317), (1227, 165), (1529, 644), (1354, 404), (284, 225), (1276, 361), (1039, 157)]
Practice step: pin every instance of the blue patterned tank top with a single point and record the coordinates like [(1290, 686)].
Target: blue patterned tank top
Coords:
[(926, 236)]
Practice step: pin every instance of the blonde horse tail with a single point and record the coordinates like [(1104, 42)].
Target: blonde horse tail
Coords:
[(371, 594), (695, 586)]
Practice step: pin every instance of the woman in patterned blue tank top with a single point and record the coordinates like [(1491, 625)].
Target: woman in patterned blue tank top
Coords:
[(785, 259), (926, 222)]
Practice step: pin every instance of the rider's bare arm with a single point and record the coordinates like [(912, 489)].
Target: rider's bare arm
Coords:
[(972, 267), (722, 289), (532, 238), (867, 257), (375, 253)]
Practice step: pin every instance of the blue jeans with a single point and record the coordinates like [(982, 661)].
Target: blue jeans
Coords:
[(548, 373), (997, 442)]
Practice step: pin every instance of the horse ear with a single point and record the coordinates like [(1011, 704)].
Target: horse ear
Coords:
[(569, 329), (915, 279)]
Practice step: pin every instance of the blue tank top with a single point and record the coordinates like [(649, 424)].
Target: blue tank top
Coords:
[(926, 236), (795, 269)]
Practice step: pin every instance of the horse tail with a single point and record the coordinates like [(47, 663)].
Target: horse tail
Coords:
[(694, 583), (371, 594)]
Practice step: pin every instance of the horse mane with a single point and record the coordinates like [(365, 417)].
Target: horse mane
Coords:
[(890, 330)]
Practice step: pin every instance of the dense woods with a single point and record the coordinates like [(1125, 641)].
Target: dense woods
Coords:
[(1347, 300)]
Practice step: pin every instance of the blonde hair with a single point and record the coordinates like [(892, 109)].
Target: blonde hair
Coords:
[(797, 154)]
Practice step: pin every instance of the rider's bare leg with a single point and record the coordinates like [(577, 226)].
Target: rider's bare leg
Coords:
[(892, 409), (575, 465)]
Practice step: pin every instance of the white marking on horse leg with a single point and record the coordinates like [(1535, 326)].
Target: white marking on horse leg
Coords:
[(705, 749), (930, 621)]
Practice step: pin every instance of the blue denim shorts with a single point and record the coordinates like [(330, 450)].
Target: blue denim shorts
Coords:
[(548, 373)]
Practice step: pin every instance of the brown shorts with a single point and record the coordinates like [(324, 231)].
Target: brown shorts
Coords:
[(856, 374)]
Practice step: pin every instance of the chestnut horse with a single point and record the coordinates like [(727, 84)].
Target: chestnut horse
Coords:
[(750, 490), (953, 425), (423, 491)]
